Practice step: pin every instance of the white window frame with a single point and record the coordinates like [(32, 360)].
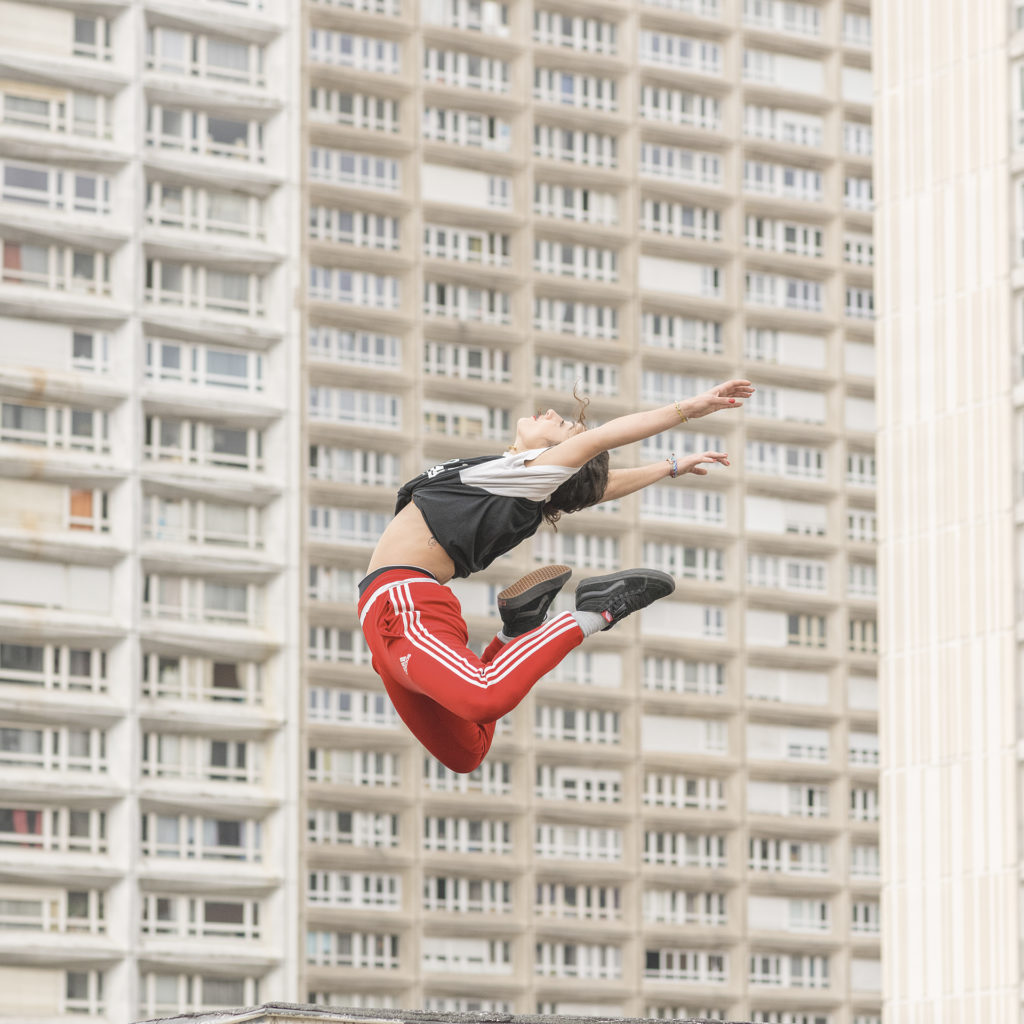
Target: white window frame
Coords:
[(85, 114), (361, 111), (680, 107), (482, 836), (587, 35), (193, 365), (581, 319), (369, 768), (190, 842), (195, 137), (466, 128), (377, 409), (574, 89), (180, 916), (197, 444), (194, 679), (681, 164), (61, 190), (195, 60), (685, 53), (488, 17), (354, 169), (63, 427), (58, 829), (467, 362), (66, 268), (467, 245), (198, 288), (196, 213), (467, 302), (350, 50), (194, 599), (575, 146)]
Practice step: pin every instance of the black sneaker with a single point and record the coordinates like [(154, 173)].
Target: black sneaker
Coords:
[(621, 593), (523, 605)]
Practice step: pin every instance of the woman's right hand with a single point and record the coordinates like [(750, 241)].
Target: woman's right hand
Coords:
[(693, 463), (729, 395)]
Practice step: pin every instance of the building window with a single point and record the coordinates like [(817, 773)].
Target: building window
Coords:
[(54, 667), (200, 917), (485, 16), (788, 856), (680, 52), (466, 128), (356, 170), (582, 319), (173, 677), (678, 164), (467, 895), (91, 38), (203, 134), (566, 901), (168, 993), (787, 16), (71, 113), (58, 749), (687, 965), (169, 439), (679, 106), (370, 890), (577, 725), (587, 92), (466, 245), (354, 287), (205, 210), (53, 830), (54, 188), (581, 785), (577, 146), (172, 51), (577, 960), (488, 836), (579, 843), (359, 408), (587, 35), (678, 675), (363, 53), (353, 828), (353, 110), (685, 850)]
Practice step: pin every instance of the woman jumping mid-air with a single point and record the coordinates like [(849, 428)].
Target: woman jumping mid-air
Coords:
[(455, 519)]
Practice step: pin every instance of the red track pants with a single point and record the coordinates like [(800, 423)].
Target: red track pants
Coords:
[(447, 696)]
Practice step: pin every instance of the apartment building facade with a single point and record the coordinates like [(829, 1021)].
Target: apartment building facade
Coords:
[(261, 263), (147, 620), (504, 199)]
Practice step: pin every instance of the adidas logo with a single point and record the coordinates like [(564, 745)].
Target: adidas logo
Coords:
[(404, 659)]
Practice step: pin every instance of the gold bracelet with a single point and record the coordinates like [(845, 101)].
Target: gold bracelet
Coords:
[(682, 418)]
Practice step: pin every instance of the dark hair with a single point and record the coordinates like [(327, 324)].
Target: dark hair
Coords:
[(586, 486)]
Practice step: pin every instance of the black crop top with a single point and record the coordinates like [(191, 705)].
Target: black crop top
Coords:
[(479, 508)]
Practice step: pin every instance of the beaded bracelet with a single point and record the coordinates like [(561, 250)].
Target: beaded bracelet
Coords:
[(671, 460), (679, 412)]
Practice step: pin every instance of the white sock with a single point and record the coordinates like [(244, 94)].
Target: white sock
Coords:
[(590, 622), (504, 639)]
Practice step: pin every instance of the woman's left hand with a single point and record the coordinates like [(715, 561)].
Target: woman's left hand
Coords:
[(729, 395), (693, 463)]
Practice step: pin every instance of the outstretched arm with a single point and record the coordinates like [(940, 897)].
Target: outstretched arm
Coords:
[(582, 447), (625, 481)]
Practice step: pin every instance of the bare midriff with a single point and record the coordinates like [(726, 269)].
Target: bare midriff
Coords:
[(408, 541)]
